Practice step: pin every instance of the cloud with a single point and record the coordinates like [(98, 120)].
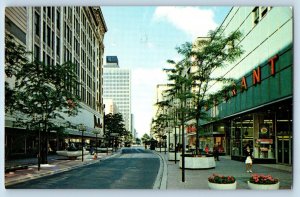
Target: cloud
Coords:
[(192, 20), (144, 81)]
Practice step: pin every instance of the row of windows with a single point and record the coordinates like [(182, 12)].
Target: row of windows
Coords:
[(116, 74), (258, 13), (50, 30)]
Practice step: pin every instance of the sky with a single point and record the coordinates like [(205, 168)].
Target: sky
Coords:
[(145, 37)]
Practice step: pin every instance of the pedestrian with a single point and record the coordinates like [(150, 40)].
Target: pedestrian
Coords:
[(91, 150), (206, 149), (216, 152), (248, 161)]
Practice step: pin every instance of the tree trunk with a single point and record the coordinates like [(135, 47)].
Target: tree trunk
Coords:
[(197, 136)]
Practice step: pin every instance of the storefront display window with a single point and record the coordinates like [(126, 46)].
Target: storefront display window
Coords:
[(264, 141), (242, 134)]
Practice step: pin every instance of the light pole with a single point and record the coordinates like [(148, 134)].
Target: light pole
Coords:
[(39, 144), (96, 131), (82, 128), (114, 135), (165, 143)]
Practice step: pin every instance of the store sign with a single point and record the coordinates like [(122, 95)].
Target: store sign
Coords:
[(263, 131), (191, 129), (97, 122), (264, 141), (256, 76)]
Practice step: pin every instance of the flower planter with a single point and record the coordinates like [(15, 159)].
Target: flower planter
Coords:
[(263, 186), (218, 186), (72, 154)]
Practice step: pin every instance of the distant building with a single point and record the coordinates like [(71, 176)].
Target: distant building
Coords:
[(110, 106), (117, 86)]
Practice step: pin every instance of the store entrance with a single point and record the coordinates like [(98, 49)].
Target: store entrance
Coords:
[(284, 144)]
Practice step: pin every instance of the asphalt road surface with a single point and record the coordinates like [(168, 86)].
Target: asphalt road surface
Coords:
[(134, 168)]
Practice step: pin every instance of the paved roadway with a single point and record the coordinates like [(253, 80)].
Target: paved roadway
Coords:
[(134, 168)]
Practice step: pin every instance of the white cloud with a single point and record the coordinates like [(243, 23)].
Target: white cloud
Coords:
[(144, 81), (192, 20)]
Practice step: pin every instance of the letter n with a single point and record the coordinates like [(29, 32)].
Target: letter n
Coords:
[(256, 76)]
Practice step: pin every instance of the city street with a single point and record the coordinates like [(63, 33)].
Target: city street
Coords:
[(134, 168)]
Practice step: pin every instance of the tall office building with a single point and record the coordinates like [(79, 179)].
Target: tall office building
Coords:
[(117, 86), (56, 35)]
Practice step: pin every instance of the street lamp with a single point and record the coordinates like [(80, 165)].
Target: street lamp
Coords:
[(96, 131), (39, 144), (114, 135), (82, 128), (165, 142)]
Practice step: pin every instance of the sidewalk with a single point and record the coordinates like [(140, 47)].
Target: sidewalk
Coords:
[(56, 164), (197, 179)]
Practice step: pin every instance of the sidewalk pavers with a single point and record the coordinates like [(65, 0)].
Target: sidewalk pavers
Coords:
[(197, 179)]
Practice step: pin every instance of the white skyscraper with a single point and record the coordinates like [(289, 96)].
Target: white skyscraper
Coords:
[(117, 86)]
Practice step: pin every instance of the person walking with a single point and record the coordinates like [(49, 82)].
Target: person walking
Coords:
[(248, 161), (206, 149), (216, 152)]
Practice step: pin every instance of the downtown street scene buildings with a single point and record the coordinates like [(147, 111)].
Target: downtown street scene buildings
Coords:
[(254, 107)]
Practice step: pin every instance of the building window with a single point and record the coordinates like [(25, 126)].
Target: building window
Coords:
[(49, 12), (48, 36), (36, 52), (264, 11), (37, 24), (58, 19), (44, 32), (255, 14), (57, 46), (258, 13)]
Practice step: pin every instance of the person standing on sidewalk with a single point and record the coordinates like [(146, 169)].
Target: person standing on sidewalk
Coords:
[(248, 161), (216, 152)]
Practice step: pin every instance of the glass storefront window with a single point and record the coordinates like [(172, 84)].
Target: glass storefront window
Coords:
[(242, 134), (264, 141)]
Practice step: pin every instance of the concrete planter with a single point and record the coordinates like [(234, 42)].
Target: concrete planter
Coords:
[(198, 162), (217, 186), (254, 186), (72, 154)]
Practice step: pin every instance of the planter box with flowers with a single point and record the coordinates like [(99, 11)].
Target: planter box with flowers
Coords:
[(263, 182), (220, 182)]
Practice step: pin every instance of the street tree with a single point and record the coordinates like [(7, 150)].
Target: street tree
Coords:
[(114, 128), (145, 138), (41, 93), (200, 61)]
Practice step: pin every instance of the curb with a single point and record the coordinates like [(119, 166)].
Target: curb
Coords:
[(162, 175)]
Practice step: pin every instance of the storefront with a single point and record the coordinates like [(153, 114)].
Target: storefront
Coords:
[(258, 108), (267, 130)]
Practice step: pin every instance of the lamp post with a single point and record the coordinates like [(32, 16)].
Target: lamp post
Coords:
[(82, 128), (165, 143), (39, 153), (114, 135), (96, 131), (39, 144)]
